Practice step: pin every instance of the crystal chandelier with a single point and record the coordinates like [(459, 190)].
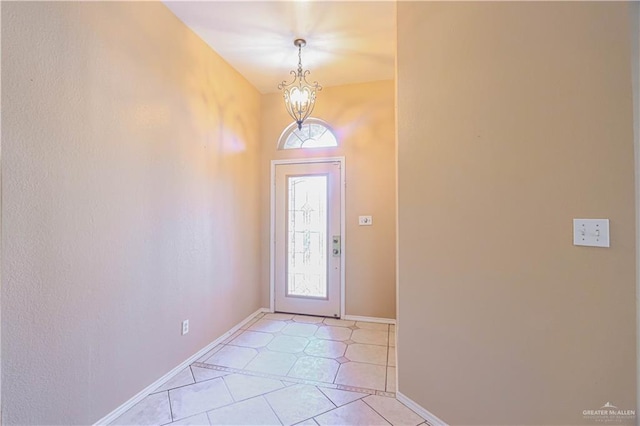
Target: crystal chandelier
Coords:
[(299, 95)]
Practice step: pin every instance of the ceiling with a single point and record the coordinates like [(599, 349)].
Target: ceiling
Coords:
[(347, 41)]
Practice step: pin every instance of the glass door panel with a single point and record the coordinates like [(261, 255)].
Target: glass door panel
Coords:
[(307, 236), (307, 246)]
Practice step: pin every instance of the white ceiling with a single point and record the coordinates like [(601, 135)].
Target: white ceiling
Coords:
[(347, 41)]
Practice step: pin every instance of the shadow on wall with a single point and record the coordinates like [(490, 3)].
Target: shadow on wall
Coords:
[(223, 114), (218, 109)]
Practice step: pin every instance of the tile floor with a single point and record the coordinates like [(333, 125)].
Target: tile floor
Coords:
[(281, 369)]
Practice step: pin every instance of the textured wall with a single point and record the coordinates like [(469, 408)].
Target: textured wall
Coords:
[(130, 202), (513, 119), (363, 117)]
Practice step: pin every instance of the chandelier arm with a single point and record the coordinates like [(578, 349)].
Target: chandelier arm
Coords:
[(284, 83), (304, 79)]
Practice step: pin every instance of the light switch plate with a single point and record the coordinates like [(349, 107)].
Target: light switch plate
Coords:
[(365, 221), (591, 232)]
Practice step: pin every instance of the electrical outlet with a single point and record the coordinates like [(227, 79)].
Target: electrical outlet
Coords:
[(185, 327)]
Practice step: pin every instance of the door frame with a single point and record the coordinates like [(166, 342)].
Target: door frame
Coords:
[(272, 218)]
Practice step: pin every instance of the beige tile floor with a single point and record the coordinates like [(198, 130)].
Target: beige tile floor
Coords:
[(283, 369)]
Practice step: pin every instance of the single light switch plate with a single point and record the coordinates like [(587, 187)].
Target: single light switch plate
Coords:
[(591, 232), (365, 221)]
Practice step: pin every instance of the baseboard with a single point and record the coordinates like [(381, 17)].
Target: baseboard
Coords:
[(146, 391), (369, 319), (432, 419)]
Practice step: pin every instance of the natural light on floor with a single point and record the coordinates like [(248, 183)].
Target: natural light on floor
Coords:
[(286, 369)]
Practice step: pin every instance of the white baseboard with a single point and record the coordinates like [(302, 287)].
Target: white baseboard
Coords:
[(432, 419), (153, 386), (369, 319)]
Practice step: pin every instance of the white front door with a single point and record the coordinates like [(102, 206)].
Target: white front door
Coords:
[(307, 238)]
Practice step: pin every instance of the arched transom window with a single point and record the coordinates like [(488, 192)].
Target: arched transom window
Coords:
[(314, 133)]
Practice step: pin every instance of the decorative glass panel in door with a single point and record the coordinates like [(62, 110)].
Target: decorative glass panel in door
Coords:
[(307, 238)]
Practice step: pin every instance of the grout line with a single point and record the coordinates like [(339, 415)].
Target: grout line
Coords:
[(292, 365), (177, 387), (222, 406), (386, 376), (335, 407), (338, 406), (326, 396), (319, 386), (170, 407), (357, 389), (226, 386), (423, 420), (367, 392), (193, 375), (364, 362), (289, 379), (380, 414), (274, 411), (313, 418), (194, 415)]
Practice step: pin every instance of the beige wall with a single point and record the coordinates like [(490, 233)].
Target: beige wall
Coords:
[(515, 118), (130, 203), (363, 117), (634, 15)]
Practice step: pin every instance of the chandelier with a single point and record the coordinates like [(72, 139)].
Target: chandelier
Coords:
[(299, 95)]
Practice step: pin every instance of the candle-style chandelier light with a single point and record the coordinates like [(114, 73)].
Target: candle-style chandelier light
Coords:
[(299, 95)]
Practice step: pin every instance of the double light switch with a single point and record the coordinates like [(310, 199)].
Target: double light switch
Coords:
[(591, 232)]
